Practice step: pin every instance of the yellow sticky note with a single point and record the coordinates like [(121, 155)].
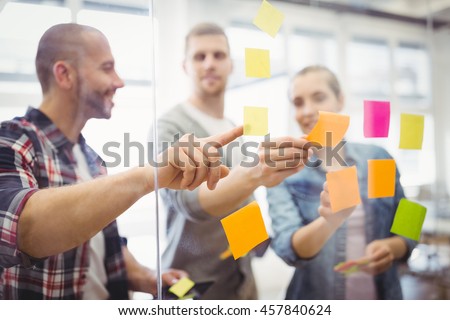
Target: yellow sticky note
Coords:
[(256, 121), (411, 131), (257, 63), (381, 178), (408, 220), (344, 188), (226, 254), (244, 229), (329, 129), (269, 19), (182, 287)]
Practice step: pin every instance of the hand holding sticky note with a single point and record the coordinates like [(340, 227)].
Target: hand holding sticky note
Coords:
[(268, 19), (343, 188), (377, 115), (244, 229), (329, 129), (408, 220), (350, 266), (182, 287)]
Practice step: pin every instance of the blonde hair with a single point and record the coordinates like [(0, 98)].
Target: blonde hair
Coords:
[(205, 29), (333, 82)]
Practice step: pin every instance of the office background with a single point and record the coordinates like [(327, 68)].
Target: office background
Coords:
[(394, 50)]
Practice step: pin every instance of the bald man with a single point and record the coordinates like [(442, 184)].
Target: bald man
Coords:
[(58, 234)]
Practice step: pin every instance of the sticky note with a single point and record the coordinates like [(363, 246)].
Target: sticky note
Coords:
[(256, 121), (411, 131), (257, 63), (226, 254), (269, 19), (381, 178), (408, 220), (182, 287), (350, 266), (244, 229), (344, 188), (377, 115), (329, 129)]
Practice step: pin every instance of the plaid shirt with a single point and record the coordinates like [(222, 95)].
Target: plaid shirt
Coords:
[(34, 155)]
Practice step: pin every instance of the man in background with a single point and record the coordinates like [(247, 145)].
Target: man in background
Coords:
[(196, 240)]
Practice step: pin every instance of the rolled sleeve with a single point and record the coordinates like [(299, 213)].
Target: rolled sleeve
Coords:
[(17, 185), (286, 220)]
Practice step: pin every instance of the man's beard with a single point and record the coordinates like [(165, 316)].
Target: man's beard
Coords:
[(94, 100)]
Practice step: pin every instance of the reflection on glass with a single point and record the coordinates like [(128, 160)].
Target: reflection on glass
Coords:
[(308, 47), (412, 71), (368, 65), (18, 48), (131, 49)]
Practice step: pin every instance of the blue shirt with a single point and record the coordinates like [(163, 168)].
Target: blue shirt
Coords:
[(294, 203)]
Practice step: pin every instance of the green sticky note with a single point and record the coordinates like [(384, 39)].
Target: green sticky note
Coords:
[(257, 63), (409, 219), (411, 131), (188, 297), (269, 19), (182, 287), (256, 121)]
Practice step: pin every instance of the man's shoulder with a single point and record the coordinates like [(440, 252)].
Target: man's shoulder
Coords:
[(175, 113), (15, 128), (178, 120)]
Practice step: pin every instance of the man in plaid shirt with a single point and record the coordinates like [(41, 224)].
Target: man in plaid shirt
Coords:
[(58, 234)]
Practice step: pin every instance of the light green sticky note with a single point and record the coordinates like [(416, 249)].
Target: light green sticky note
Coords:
[(411, 131), (409, 219), (188, 297), (256, 121), (182, 287), (269, 19), (257, 63)]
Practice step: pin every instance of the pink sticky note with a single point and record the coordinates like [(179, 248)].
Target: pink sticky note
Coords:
[(377, 115)]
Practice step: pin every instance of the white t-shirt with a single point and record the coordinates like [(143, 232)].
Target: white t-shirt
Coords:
[(95, 286)]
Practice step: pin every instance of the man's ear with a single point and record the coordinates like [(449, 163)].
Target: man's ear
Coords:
[(64, 74), (184, 66)]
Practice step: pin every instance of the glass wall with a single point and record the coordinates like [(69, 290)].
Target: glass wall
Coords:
[(374, 57)]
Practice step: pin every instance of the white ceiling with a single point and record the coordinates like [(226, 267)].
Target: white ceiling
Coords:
[(411, 8)]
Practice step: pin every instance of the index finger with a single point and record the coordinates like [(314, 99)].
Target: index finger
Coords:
[(222, 139), (287, 142)]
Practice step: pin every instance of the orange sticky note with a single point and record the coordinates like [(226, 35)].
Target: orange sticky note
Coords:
[(226, 254), (244, 229), (381, 178), (329, 129), (344, 189)]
